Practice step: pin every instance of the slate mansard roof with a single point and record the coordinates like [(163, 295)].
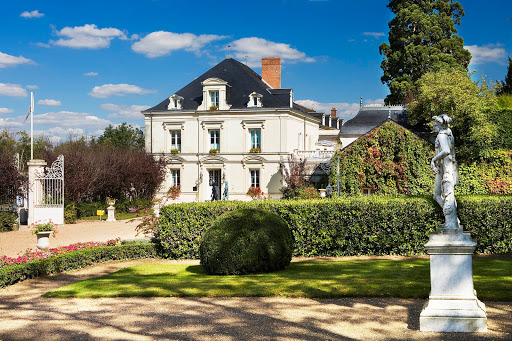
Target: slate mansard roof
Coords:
[(242, 81), (370, 117)]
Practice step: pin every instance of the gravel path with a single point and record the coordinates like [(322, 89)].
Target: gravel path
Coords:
[(25, 315)]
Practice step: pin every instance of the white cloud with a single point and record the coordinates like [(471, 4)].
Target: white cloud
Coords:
[(376, 35), (161, 43), (88, 37), (43, 44), (91, 74), (345, 110), (253, 49), (8, 60), (32, 14), (69, 119), (487, 54), (32, 87), (132, 111), (5, 111), (14, 90), (9, 123), (51, 102), (108, 90)]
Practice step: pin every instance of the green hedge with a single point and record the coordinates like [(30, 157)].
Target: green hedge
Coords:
[(373, 225), (7, 221), (74, 260)]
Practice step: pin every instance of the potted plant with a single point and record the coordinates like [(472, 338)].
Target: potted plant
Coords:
[(214, 151), (110, 201), (175, 151), (43, 230), (255, 150), (255, 193)]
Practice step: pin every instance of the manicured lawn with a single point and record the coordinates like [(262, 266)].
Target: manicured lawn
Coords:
[(327, 279)]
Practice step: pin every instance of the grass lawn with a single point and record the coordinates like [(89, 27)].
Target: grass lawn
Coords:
[(326, 279)]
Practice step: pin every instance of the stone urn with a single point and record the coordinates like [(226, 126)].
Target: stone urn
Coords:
[(43, 240), (323, 192)]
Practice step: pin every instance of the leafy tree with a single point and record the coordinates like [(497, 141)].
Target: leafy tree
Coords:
[(11, 180), (506, 86), (422, 38), (452, 92), (295, 177), (122, 136)]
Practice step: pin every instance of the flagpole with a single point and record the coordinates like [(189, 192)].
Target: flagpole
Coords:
[(31, 126)]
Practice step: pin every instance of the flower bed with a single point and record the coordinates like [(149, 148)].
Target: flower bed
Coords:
[(30, 255)]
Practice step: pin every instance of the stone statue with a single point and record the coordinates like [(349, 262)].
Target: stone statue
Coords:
[(446, 170)]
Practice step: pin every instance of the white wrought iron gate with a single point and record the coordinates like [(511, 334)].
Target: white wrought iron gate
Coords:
[(48, 193)]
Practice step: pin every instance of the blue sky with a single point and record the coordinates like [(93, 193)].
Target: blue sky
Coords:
[(99, 62)]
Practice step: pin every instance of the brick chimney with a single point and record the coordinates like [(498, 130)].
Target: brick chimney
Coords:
[(334, 112), (271, 71)]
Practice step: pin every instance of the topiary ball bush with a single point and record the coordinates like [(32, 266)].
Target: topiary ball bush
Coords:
[(246, 241)]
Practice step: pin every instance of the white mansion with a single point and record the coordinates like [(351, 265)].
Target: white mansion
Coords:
[(233, 128)]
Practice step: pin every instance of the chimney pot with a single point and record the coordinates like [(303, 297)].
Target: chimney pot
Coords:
[(271, 71), (334, 112)]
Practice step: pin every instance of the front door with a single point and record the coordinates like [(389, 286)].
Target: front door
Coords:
[(214, 183)]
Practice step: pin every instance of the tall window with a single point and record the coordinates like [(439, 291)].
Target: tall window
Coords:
[(176, 139), (215, 139), (255, 138), (214, 98), (175, 177), (255, 178)]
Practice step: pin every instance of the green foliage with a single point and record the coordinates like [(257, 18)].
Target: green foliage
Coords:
[(246, 241), (367, 225), (505, 101), (122, 136), (505, 87), (422, 38), (452, 92), (70, 214), (74, 260), (7, 221), (388, 160), (502, 120), (295, 176)]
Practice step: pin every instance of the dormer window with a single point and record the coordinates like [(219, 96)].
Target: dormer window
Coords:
[(175, 102), (214, 95), (254, 100)]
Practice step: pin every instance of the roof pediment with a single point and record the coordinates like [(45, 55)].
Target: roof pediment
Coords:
[(213, 81)]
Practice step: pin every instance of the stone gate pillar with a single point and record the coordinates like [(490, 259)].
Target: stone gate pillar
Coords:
[(34, 188)]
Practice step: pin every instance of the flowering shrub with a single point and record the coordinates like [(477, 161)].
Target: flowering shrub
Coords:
[(309, 193), (255, 192), (30, 255), (49, 226), (110, 201), (174, 191)]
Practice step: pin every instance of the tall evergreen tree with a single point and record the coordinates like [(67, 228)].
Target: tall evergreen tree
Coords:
[(506, 86), (422, 38)]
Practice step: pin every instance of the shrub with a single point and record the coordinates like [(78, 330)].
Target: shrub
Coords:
[(74, 260), (70, 214), (7, 221), (246, 241), (347, 226)]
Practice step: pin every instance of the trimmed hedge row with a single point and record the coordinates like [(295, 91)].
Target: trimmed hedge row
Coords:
[(74, 260), (372, 225)]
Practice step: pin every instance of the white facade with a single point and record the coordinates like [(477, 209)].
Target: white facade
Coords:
[(282, 132)]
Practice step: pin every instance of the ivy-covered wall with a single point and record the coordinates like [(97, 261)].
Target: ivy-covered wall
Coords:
[(389, 160)]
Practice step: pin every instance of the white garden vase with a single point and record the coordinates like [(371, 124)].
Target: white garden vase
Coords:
[(43, 240)]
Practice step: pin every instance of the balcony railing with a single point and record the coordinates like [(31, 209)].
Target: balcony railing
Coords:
[(314, 155)]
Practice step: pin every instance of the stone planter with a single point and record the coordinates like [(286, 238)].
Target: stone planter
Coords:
[(323, 192), (43, 240)]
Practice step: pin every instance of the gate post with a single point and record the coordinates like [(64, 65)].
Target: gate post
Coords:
[(34, 167)]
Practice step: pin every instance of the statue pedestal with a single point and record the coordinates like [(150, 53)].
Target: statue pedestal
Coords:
[(111, 213), (452, 305)]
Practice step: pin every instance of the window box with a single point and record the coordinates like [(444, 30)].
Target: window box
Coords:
[(175, 151), (214, 151), (255, 150), (214, 107)]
